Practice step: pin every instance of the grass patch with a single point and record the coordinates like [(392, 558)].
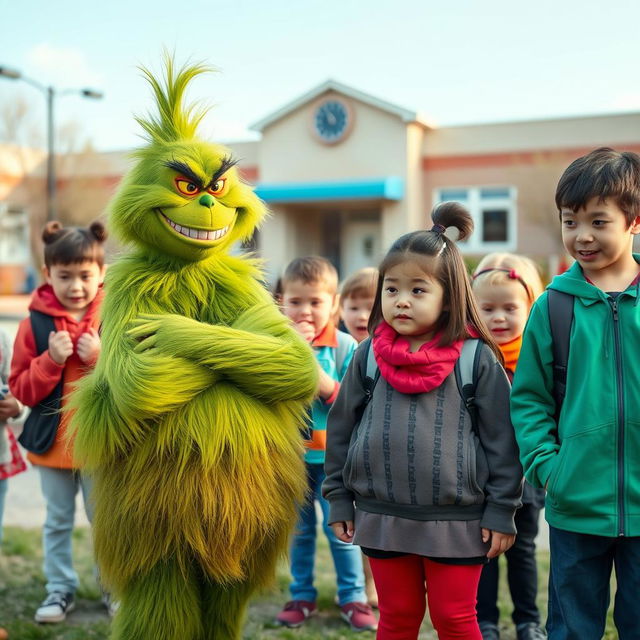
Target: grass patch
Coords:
[(22, 589)]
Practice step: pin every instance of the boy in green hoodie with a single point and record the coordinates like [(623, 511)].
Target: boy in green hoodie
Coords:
[(588, 458)]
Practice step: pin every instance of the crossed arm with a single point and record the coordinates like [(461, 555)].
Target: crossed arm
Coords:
[(259, 353), (154, 364)]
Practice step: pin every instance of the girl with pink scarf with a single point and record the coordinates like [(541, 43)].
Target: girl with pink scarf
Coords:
[(428, 491)]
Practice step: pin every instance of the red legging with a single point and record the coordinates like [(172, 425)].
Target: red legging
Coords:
[(451, 591)]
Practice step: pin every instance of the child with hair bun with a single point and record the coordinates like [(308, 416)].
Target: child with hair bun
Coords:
[(506, 286), (56, 345), (428, 492)]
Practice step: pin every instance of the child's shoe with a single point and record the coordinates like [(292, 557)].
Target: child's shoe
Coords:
[(295, 613), (112, 606), (530, 631), (359, 616), (489, 631), (55, 607)]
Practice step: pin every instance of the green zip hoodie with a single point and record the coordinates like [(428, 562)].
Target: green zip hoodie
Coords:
[(590, 460)]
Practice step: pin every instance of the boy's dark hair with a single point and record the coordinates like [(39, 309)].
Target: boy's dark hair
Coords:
[(72, 245), (439, 255), (603, 173), (276, 292), (311, 270)]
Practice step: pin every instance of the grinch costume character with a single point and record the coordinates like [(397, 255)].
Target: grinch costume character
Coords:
[(190, 420)]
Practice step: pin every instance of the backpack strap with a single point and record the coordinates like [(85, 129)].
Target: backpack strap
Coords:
[(40, 428), (560, 320), (342, 350), (41, 326), (369, 371), (465, 369), (466, 372)]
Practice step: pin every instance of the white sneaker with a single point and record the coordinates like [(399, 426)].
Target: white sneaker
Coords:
[(55, 607), (111, 605)]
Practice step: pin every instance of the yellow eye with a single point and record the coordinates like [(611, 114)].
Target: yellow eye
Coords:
[(217, 187), (187, 187)]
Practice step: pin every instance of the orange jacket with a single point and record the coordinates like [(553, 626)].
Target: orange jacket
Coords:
[(33, 377)]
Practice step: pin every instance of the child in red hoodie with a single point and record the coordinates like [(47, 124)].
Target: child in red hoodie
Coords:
[(54, 347)]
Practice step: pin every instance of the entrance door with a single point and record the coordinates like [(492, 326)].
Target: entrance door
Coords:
[(360, 246)]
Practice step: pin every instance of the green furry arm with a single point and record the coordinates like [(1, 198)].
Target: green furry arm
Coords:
[(115, 405), (113, 413), (260, 353)]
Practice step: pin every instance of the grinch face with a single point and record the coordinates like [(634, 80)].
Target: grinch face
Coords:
[(186, 200), (202, 219)]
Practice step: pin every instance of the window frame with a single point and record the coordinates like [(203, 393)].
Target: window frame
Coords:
[(476, 205)]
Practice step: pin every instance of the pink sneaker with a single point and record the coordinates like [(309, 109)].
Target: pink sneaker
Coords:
[(295, 613), (359, 616)]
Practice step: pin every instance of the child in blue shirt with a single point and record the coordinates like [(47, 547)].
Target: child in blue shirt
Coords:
[(309, 300)]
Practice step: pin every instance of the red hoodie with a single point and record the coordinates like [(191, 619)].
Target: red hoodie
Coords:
[(33, 377)]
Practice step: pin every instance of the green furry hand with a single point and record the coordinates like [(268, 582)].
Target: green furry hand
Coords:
[(160, 332)]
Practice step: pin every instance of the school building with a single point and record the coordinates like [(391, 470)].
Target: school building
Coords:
[(345, 173)]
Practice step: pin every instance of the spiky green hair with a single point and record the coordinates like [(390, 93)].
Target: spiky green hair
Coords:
[(150, 209), (174, 121)]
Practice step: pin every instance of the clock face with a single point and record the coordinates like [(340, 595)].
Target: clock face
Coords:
[(331, 121)]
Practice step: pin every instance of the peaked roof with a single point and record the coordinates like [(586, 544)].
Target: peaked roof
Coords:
[(406, 115)]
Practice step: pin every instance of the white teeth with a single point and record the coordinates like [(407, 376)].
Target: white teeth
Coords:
[(197, 234)]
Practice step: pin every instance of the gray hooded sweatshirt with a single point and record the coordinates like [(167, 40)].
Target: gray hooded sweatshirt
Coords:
[(415, 460)]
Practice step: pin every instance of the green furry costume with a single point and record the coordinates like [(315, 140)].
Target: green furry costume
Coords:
[(190, 420)]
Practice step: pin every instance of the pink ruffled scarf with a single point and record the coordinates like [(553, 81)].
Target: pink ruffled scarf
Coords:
[(413, 372)]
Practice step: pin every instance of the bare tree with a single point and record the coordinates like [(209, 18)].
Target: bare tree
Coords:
[(78, 169)]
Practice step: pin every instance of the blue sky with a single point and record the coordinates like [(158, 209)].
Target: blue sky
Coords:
[(457, 61)]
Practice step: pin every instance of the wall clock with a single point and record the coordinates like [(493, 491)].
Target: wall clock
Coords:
[(332, 121)]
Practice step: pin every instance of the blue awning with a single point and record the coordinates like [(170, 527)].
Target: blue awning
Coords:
[(390, 188)]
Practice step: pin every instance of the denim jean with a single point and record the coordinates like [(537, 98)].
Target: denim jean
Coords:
[(4, 486), (347, 558), (59, 488), (581, 567)]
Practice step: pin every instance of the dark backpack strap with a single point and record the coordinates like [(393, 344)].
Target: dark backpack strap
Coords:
[(41, 326), (466, 372), (369, 371), (41, 426), (560, 320)]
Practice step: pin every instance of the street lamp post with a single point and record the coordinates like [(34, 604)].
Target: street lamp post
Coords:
[(50, 93)]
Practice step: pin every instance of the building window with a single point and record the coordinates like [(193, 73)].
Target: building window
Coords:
[(494, 215), (14, 236)]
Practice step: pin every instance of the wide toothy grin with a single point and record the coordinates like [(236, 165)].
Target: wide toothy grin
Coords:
[(196, 234)]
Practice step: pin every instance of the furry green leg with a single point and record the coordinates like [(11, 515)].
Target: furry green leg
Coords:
[(223, 610), (162, 604)]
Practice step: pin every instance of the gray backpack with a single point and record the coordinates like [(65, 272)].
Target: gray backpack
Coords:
[(466, 372)]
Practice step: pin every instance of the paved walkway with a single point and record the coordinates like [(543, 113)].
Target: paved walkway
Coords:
[(24, 505)]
